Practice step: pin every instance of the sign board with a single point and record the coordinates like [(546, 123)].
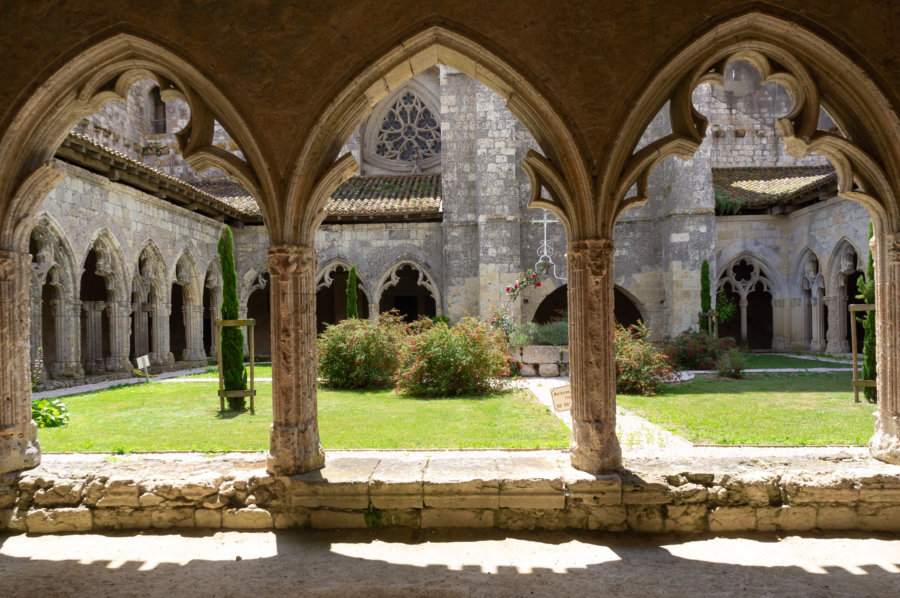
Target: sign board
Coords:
[(562, 398), (143, 362)]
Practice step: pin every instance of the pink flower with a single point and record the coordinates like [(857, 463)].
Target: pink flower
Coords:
[(537, 284), (507, 289), (517, 285)]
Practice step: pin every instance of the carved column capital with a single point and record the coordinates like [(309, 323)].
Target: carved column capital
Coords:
[(285, 259), (892, 248), (591, 254)]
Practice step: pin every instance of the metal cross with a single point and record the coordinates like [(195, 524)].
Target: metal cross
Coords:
[(545, 250)]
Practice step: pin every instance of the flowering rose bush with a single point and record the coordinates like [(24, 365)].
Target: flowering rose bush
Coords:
[(641, 368), (443, 361), (358, 353), (531, 278), (696, 350)]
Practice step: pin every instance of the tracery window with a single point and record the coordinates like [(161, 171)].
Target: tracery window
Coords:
[(156, 112), (409, 131)]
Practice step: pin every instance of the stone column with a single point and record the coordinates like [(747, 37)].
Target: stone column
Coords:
[(799, 334), (213, 345), (817, 304), (37, 333), (837, 325), (19, 448), (160, 353), (373, 311), (193, 331), (139, 309), (119, 336), (92, 312), (885, 443), (294, 445), (743, 305), (68, 339), (595, 447), (782, 325)]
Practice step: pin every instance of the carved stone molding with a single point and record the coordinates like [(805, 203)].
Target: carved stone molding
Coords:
[(892, 248), (594, 255)]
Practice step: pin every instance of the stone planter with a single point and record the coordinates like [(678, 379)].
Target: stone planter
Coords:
[(542, 360)]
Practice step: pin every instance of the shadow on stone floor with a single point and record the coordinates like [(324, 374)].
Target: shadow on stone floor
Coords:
[(460, 563)]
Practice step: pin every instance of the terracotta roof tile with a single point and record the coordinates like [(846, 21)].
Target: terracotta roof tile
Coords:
[(384, 195), (762, 187)]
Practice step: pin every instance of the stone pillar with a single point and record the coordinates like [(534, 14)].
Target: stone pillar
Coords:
[(743, 305), (68, 339), (37, 333), (799, 333), (160, 353), (193, 330), (294, 445), (119, 336), (885, 443), (817, 304), (92, 312), (19, 448), (141, 313), (837, 325), (373, 311), (213, 345), (781, 325), (595, 447)]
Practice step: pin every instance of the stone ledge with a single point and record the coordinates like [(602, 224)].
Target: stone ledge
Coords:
[(509, 490)]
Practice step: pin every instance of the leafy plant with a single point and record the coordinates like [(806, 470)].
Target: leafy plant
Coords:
[(359, 353), (531, 333), (531, 278), (726, 308), (232, 338), (866, 287), (352, 310), (443, 361), (696, 350), (49, 413), (727, 205), (640, 367), (731, 364)]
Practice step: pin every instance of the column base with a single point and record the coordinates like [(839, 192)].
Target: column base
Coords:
[(885, 443), (20, 451), (294, 449), (595, 447), (193, 355), (838, 347), (779, 343)]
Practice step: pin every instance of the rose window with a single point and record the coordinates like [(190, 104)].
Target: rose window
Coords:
[(409, 131)]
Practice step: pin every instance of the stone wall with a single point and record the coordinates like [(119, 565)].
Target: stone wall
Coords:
[(539, 490)]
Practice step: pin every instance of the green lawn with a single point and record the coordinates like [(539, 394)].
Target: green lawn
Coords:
[(763, 361), (803, 409), (184, 416)]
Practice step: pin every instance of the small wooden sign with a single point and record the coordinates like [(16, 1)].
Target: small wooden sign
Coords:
[(143, 362), (562, 398)]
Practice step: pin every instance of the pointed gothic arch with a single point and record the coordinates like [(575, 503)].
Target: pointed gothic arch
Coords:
[(748, 280), (331, 297), (409, 287), (808, 308), (845, 268), (104, 308), (186, 311), (152, 274)]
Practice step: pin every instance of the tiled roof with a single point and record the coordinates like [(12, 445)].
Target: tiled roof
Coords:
[(230, 193), (763, 187), (386, 195)]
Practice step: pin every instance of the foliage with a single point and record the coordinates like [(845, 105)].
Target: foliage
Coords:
[(640, 367), (727, 205), (866, 287), (705, 295), (531, 333), (37, 368), (502, 320), (726, 308), (232, 337), (696, 350), (731, 364), (357, 353), (445, 361), (352, 309), (531, 278), (49, 413)]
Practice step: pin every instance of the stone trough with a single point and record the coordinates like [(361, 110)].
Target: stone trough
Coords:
[(707, 490), (546, 361)]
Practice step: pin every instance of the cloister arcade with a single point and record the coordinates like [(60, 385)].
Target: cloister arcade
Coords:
[(586, 173)]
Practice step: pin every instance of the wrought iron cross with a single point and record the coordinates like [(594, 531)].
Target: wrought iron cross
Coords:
[(545, 250)]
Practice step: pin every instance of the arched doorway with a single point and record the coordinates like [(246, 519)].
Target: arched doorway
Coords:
[(409, 291), (95, 333), (555, 306), (744, 283), (259, 309), (331, 297)]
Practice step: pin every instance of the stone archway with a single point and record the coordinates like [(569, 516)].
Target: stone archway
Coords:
[(186, 312), (408, 288), (844, 270), (746, 282), (212, 302), (331, 295)]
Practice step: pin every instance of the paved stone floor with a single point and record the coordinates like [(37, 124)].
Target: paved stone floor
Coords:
[(461, 563)]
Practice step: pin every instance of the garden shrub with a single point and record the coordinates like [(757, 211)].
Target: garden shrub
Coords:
[(731, 363), (696, 350), (445, 361), (49, 413), (357, 353), (352, 308), (530, 333), (233, 372), (641, 368)]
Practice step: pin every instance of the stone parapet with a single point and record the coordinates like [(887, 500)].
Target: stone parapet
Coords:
[(508, 490)]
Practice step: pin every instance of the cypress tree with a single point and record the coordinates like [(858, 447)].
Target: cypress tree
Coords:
[(705, 296), (866, 287), (352, 311), (232, 337)]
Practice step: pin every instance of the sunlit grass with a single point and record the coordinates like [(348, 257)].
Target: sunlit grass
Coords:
[(763, 361), (783, 409), (184, 416)]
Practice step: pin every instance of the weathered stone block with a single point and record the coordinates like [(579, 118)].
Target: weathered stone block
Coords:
[(590, 490), (197, 489), (328, 519), (645, 518), (690, 493), (732, 519), (610, 518), (7, 496), (64, 493), (54, 521), (13, 521), (453, 484), (538, 354), (686, 518), (527, 370), (149, 499), (876, 517), (169, 518), (880, 489), (119, 492), (837, 518), (342, 484), (527, 519), (447, 518), (208, 519), (121, 519), (249, 518), (398, 518), (398, 484), (548, 370), (819, 489), (531, 483), (637, 491)]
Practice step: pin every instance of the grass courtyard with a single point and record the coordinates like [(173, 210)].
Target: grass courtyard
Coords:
[(184, 416)]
